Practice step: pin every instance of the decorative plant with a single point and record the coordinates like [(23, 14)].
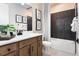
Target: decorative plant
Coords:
[(10, 28), (7, 28)]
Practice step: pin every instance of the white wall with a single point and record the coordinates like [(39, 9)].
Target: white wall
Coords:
[(61, 7), (4, 14)]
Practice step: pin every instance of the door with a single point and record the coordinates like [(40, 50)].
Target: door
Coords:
[(25, 51), (34, 49)]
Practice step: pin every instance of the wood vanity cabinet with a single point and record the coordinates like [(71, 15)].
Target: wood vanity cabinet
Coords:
[(27, 47)]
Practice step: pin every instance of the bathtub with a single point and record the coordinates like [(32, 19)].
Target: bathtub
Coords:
[(63, 45)]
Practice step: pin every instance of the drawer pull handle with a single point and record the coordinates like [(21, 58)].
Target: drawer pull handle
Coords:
[(9, 49)]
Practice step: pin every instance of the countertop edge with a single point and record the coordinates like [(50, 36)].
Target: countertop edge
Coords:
[(14, 40)]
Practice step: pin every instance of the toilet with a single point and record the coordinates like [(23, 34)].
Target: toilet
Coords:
[(47, 45)]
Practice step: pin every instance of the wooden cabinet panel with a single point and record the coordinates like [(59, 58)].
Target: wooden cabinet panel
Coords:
[(34, 49), (12, 54), (25, 51), (7, 49), (27, 42), (39, 48), (23, 43)]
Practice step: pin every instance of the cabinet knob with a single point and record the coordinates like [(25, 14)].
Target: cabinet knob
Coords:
[(9, 49)]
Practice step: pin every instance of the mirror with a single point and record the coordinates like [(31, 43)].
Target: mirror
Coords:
[(14, 17), (21, 15)]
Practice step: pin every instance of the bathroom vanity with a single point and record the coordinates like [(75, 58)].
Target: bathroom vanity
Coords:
[(23, 45)]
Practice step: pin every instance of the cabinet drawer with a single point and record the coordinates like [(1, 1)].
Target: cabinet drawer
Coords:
[(27, 42), (12, 54), (7, 49)]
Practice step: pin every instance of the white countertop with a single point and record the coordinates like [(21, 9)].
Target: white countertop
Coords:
[(26, 35)]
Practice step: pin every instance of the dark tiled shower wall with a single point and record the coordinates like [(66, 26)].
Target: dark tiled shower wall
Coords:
[(60, 25)]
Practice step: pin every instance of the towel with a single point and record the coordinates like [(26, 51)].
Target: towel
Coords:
[(74, 25)]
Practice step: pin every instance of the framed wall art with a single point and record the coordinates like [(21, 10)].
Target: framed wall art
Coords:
[(24, 20), (18, 19), (38, 19)]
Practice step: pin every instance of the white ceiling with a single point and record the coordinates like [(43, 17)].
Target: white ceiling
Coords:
[(25, 5)]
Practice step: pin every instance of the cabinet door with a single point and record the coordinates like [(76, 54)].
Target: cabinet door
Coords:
[(34, 49), (25, 51), (39, 47)]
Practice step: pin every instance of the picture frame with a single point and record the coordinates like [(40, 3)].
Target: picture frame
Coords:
[(38, 20), (38, 14), (38, 25), (24, 19), (18, 19)]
